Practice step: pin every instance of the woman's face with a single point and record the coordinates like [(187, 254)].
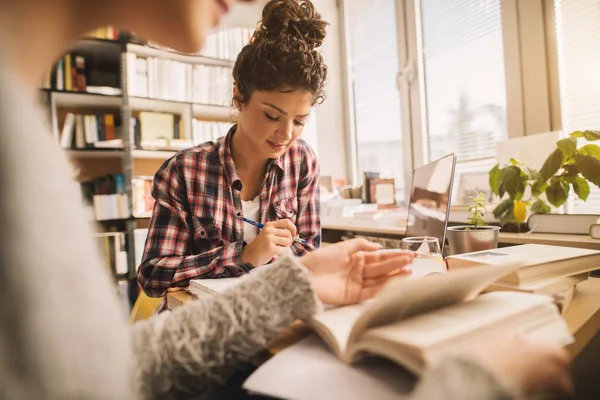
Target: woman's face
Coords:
[(272, 121), (179, 24)]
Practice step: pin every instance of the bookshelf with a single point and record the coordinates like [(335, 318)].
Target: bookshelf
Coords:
[(121, 94)]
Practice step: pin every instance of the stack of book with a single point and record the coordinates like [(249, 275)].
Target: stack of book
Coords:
[(549, 270)]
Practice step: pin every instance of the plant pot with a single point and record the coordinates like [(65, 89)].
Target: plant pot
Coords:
[(466, 239)]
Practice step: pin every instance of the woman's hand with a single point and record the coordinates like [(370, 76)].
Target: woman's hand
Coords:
[(272, 241), (533, 370), (352, 271)]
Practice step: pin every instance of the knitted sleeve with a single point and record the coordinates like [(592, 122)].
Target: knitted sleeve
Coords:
[(199, 345)]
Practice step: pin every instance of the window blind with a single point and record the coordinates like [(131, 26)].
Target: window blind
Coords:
[(373, 65), (578, 39), (463, 67)]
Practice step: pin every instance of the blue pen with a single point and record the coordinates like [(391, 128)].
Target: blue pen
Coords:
[(260, 226)]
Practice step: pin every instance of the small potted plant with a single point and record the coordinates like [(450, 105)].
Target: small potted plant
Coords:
[(477, 235)]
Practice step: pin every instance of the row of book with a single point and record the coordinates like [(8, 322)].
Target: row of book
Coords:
[(205, 131), (226, 43), (106, 195), (113, 248), (91, 131), (151, 130), (106, 33), (165, 79), (68, 74)]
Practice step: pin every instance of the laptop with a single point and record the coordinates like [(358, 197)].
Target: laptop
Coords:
[(430, 196)]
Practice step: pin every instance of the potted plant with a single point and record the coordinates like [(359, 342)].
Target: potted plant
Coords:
[(477, 235), (569, 166)]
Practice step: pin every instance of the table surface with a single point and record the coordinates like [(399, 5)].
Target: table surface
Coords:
[(582, 317)]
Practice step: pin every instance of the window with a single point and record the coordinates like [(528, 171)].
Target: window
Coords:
[(578, 37), (462, 61), (373, 66)]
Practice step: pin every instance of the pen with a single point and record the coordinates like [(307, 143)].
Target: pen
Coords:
[(260, 226)]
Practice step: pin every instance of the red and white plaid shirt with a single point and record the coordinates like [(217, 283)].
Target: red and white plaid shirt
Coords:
[(197, 231)]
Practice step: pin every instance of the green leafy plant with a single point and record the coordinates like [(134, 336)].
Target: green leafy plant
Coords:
[(477, 210), (568, 166)]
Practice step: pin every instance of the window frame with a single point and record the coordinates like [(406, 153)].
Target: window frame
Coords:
[(533, 105)]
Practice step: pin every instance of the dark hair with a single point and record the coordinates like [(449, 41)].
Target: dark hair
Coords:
[(282, 53)]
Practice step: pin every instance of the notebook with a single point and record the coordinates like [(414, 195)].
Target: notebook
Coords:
[(203, 287)]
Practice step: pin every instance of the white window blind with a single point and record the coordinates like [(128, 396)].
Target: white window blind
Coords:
[(461, 52), (373, 66), (578, 37)]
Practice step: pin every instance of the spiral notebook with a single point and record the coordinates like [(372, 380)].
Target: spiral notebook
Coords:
[(203, 287)]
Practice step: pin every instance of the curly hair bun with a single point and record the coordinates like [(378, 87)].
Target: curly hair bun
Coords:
[(298, 19)]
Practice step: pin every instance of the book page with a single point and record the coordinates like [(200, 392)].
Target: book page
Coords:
[(466, 319), (403, 298), (334, 326)]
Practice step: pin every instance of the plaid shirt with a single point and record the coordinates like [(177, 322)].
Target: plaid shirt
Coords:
[(196, 230)]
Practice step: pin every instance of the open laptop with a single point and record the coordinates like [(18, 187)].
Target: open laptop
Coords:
[(430, 197)]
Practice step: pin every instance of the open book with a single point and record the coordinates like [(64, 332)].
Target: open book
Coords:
[(412, 321)]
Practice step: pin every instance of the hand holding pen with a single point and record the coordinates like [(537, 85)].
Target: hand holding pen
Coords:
[(273, 239), (261, 226)]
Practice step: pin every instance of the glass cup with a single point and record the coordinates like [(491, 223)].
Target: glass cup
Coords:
[(429, 258)]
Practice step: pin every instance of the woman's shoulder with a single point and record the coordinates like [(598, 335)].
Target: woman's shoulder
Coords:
[(302, 150), (195, 157)]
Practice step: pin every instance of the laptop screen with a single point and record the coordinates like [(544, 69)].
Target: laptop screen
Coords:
[(430, 199)]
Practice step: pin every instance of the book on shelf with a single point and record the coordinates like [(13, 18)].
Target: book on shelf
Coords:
[(165, 79), (106, 33), (207, 131), (106, 195), (413, 322), (226, 43), (223, 43), (538, 262), (114, 251), (91, 131), (154, 130), (143, 202), (69, 74)]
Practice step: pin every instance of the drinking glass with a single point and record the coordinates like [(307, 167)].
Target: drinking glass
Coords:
[(429, 258)]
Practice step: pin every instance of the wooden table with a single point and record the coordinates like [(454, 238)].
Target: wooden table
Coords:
[(582, 317)]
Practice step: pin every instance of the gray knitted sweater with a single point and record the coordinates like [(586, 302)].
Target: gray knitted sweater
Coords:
[(62, 334)]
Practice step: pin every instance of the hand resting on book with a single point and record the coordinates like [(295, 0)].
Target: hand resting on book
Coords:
[(528, 370), (353, 271)]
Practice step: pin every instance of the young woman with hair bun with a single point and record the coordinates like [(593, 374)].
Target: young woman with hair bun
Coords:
[(260, 171)]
